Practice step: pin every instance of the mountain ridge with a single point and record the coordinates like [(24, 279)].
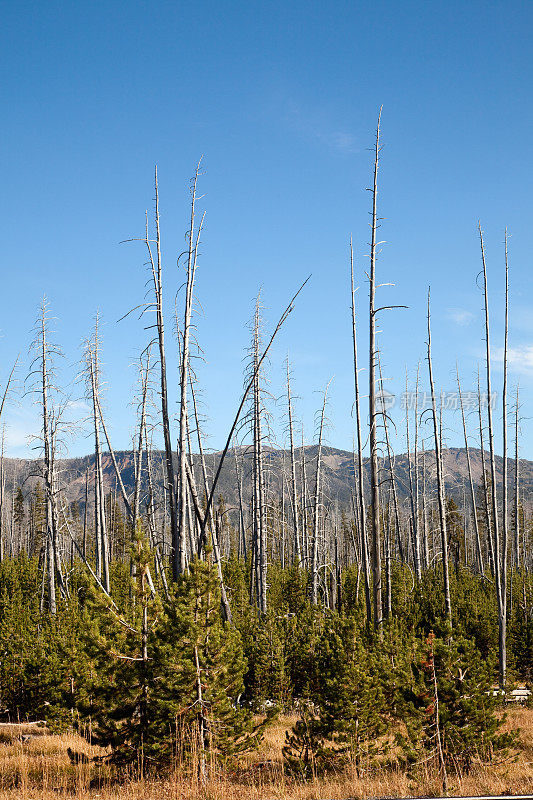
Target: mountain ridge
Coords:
[(338, 471)]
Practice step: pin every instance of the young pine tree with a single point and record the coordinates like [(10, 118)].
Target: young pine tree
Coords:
[(119, 668), (351, 712), (200, 679), (453, 717)]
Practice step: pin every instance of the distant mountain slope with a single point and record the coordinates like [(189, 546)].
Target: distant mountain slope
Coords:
[(338, 471)]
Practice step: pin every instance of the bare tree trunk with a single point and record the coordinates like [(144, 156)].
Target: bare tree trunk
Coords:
[(500, 560), (373, 412), (242, 548), (316, 505), (48, 465), (360, 488), (294, 488), (414, 512), (440, 484), (505, 531), (226, 609), (194, 240), (157, 278), (486, 502), (424, 509), (305, 495), (388, 571), (516, 495), (470, 481), (390, 459), (100, 527), (259, 527)]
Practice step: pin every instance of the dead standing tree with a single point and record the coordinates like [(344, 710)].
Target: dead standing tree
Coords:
[(294, 487), (373, 411), (155, 262), (42, 377), (93, 382), (192, 261), (360, 483), (479, 553), (440, 480), (500, 554), (259, 526), (315, 552)]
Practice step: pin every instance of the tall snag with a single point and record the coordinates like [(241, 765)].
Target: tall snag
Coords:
[(500, 557), (156, 268), (192, 261), (359, 482), (315, 566), (294, 487), (440, 481), (42, 374), (373, 411), (93, 381), (479, 553)]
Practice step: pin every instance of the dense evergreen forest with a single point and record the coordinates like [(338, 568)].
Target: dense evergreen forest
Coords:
[(164, 619)]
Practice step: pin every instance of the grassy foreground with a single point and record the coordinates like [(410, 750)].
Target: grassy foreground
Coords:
[(40, 769)]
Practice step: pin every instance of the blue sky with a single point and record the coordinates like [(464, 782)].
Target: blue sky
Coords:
[(281, 99)]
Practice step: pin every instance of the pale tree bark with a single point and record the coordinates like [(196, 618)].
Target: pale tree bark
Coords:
[(248, 388), (440, 482), (516, 494), (479, 554), (505, 521), (500, 558), (42, 370), (372, 408), (390, 459), (305, 505), (486, 501), (100, 526), (424, 510), (156, 267), (226, 608), (259, 520), (414, 510), (294, 487), (360, 487), (192, 261), (315, 566)]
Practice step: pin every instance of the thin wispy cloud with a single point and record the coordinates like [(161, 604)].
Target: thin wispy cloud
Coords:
[(519, 359), (313, 125), (460, 316)]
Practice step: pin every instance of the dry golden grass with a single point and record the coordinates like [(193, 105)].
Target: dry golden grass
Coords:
[(41, 770)]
